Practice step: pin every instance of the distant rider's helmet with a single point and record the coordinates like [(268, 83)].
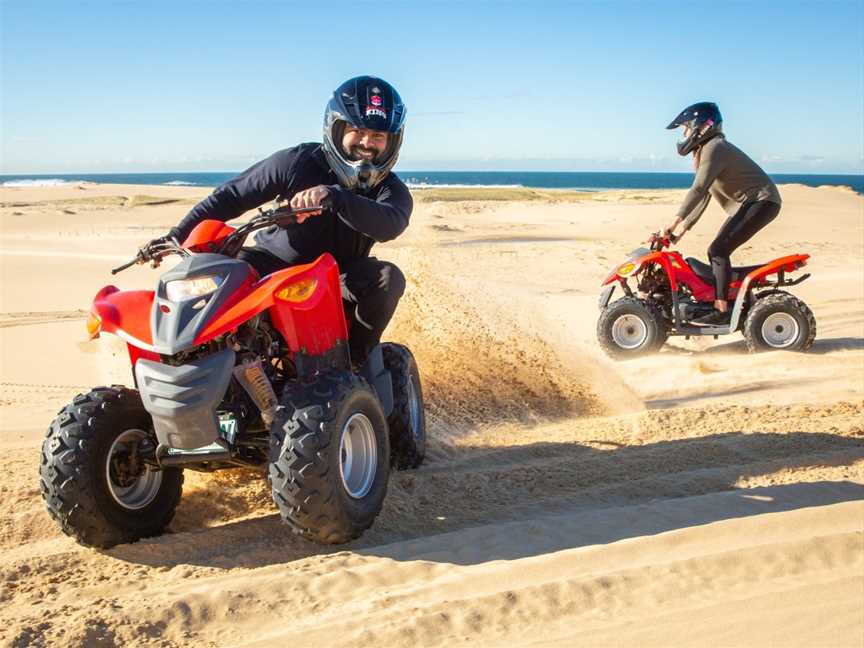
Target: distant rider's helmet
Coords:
[(363, 102), (693, 119)]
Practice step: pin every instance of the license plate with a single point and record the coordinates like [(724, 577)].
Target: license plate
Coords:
[(228, 427)]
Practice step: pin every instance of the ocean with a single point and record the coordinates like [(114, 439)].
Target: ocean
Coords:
[(578, 180)]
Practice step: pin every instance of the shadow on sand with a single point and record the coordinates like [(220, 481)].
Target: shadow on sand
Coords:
[(820, 347), (750, 387), (695, 481)]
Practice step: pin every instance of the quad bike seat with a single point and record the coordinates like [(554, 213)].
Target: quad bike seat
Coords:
[(705, 273)]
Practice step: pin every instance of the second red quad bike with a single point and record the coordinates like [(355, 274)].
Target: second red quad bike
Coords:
[(670, 292), (232, 369)]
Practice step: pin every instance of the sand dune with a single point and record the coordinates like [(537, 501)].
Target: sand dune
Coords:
[(700, 496)]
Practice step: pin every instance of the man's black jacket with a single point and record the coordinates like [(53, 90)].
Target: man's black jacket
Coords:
[(347, 231)]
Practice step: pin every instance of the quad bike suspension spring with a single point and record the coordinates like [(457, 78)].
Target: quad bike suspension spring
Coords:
[(250, 374)]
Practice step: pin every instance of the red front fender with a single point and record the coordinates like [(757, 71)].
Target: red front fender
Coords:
[(126, 314), (638, 264), (311, 326)]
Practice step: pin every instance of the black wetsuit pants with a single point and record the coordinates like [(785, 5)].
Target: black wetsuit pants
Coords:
[(737, 230), (371, 289)]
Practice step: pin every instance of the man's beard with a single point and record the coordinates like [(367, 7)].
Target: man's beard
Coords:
[(359, 153)]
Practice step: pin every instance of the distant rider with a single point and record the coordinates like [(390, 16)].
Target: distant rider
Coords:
[(741, 187), (365, 202)]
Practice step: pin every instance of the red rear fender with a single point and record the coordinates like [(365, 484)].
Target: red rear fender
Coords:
[(787, 264)]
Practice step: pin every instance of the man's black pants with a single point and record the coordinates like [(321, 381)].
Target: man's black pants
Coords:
[(737, 230), (371, 289)]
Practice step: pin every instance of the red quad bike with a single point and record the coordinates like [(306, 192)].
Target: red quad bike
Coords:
[(670, 292), (233, 370)]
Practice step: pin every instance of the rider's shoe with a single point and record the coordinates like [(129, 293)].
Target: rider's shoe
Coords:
[(714, 318)]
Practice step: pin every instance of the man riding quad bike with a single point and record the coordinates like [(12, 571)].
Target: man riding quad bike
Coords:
[(266, 356)]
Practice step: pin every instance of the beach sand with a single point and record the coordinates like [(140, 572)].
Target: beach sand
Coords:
[(699, 496)]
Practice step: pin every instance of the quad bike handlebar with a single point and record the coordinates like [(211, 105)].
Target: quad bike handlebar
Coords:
[(657, 241), (153, 252), (280, 216), (157, 249)]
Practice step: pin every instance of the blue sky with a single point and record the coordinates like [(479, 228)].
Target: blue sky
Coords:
[(206, 86)]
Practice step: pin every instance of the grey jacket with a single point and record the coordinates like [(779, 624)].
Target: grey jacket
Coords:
[(729, 175)]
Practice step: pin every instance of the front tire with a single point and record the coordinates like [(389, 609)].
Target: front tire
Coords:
[(779, 321), (93, 482), (407, 422), (630, 327), (329, 458)]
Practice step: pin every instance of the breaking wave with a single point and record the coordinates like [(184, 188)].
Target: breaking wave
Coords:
[(37, 182)]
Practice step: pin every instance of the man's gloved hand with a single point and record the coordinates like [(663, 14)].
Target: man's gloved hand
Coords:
[(668, 233), (312, 197), (173, 235), (148, 249)]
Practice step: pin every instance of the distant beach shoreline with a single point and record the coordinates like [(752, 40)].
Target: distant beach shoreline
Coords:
[(587, 181)]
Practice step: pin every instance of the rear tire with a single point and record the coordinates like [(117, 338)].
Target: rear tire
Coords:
[(407, 422), (630, 327), (85, 475), (329, 458), (779, 321)]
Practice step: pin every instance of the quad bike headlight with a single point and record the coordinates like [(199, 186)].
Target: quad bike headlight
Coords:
[(94, 325), (298, 292), (626, 269), (183, 289)]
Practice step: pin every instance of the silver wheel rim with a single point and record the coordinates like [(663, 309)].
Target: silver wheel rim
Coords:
[(358, 455), (140, 491), (629, 331), (414, 408), (780, 330)]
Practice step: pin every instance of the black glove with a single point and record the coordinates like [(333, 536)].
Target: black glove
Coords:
[(172, 236), (149, 251)]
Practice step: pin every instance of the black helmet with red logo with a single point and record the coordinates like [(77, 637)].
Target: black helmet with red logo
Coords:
[(363, 102)]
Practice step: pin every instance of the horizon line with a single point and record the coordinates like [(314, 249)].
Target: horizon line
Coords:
[(653, 171)]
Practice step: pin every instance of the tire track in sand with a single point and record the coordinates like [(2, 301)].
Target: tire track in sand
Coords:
[(27, 318)]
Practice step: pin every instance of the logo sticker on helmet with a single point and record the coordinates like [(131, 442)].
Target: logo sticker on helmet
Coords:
[(376, 100), (372, 111)]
